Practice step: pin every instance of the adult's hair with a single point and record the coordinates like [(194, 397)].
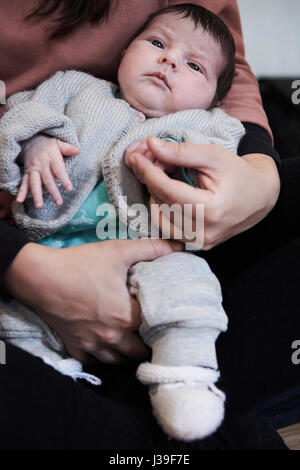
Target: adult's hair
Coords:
[(218, 30), (70, 14)]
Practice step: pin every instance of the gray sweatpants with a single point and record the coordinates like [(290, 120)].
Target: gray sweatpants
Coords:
[(182, 316)]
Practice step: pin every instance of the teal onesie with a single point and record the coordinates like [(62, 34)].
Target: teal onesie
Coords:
[(81, 228)]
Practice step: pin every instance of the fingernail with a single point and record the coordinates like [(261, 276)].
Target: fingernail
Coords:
[(133, 160), (156, 141)]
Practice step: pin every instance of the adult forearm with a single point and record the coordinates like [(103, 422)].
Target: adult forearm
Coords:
[(243, 100), (268, 176), (74, 291), (23, 277), (257, 140)]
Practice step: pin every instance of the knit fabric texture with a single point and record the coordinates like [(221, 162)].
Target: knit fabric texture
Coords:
[(83, 110)]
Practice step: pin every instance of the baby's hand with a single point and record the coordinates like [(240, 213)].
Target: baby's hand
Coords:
[(141, 147), (43, 162)]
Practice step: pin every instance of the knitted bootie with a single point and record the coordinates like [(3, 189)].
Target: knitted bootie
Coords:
[(185, 401)]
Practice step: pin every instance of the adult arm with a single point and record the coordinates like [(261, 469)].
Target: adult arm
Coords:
[(243, 100), (237, 192), (74, 291)]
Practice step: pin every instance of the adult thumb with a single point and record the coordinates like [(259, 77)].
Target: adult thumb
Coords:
[(183, 154), (147, 249), (68, 149)]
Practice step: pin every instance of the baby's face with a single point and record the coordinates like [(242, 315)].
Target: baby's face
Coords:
[(171, 66)]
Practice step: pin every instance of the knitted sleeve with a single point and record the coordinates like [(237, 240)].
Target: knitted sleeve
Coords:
[(34, 111), (125, 191)]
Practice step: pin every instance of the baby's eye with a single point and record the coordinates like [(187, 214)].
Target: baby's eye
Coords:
[(194, 66), (157, 43)]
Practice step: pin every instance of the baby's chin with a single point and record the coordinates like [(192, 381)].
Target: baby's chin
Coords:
[(154, 113), (146, 107), (151, 112)]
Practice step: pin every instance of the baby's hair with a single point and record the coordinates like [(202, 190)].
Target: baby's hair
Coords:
[(217, 29)]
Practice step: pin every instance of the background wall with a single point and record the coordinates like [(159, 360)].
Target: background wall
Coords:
[(272, 36)]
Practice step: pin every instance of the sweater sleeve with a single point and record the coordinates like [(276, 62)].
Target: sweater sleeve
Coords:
[(31, 112), (257, 140), (243, 100)]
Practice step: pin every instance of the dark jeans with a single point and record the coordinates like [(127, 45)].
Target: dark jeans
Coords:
[(260, 275), (259, 272), (42, 409)]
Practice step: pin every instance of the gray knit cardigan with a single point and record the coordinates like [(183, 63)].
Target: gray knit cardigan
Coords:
[(83, 110)]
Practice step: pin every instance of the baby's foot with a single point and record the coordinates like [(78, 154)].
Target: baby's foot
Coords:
[(185, 401)]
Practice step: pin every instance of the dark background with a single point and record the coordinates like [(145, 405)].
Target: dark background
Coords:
[(284, 116)]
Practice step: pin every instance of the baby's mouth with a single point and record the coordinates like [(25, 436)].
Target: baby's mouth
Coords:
[(160, 78)]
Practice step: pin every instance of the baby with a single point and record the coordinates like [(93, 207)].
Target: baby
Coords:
[(179, 66)]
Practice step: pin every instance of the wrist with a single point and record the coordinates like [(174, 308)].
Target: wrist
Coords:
[(23, 274), (29, 144), (257, 140), (268, 175)]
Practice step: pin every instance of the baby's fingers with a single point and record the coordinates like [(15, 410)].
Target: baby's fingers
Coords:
[(59, 170), (50, 184), (35, 184), (24, 188)]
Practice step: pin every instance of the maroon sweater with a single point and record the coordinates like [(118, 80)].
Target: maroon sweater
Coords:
[(28, 56)]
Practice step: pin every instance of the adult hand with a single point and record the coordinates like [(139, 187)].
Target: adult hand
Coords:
[(237, 192), (81, 293)]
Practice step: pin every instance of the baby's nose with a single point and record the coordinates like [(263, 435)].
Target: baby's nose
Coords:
[(170, 58)]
